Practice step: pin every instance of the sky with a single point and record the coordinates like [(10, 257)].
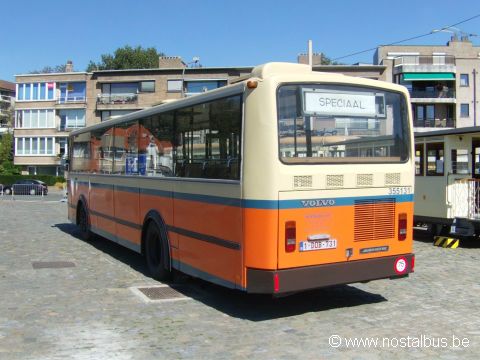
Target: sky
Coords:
[(39, 33)]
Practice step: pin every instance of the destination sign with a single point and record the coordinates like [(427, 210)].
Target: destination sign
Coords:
[(324, 103)]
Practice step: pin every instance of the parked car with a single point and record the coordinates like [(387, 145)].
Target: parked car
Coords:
[(26, 187)]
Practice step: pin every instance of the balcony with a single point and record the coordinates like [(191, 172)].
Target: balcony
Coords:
[(434, 123), (424, 63), (116, 101), (71, 99), (432, 96), (6, 99)]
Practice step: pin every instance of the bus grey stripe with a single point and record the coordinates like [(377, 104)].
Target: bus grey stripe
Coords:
[(117, 220), (195, 235), (207, 238)]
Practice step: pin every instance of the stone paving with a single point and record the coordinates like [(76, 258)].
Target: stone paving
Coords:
[(89, 312)]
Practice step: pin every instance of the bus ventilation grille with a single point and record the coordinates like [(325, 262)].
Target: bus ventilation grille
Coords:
[(302, 181), (374, 219), (364, 179), (334, 181), (392, 179)]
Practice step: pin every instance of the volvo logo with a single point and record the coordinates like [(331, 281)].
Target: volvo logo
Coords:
[(318, 203)]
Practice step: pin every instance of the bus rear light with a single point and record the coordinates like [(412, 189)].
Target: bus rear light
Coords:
[(402, 226), (412, 264), (276, 283), (290, 236)]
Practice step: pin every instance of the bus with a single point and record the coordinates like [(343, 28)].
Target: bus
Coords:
[(284, 181), (447, 181)]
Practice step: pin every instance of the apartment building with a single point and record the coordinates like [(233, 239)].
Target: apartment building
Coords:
[(442, 81), (49, 106), (118, 92), (7, 102)]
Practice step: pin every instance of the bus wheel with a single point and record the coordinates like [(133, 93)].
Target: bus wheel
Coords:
[(156, 253), (83, 223)]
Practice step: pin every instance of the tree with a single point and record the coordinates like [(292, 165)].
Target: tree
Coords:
[(127, 58), (6, 156), (327, 61)]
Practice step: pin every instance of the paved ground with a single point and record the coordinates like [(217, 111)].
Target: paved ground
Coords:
[(89, 312)]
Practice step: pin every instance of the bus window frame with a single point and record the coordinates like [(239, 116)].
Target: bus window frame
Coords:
[(171, 107), (409, 126)]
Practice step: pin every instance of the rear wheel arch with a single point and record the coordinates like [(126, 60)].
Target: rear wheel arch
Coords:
[(154, 218), (83, 218)]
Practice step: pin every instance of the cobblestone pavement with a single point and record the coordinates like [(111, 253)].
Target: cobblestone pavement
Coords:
[(89, 312)]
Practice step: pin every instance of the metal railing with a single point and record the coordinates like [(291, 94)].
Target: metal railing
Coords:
[(435, 123), (117, 99), (441, 94), (466, 198), (71, 99), (5, 98), (424, 60)]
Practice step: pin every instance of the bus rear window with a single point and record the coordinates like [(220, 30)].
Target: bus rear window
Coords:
[(341, 124)]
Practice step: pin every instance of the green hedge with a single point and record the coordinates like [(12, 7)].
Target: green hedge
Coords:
[(50, 180)]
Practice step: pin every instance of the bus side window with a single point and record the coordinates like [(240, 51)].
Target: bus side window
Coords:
[(419, 159), (435, 159), (460, 161), (155, 148), (126, 148), (208, 138), (103, 151)]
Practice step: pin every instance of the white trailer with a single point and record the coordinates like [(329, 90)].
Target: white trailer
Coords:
[(447, 181)]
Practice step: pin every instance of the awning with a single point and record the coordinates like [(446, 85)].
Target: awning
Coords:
[(428, 76)]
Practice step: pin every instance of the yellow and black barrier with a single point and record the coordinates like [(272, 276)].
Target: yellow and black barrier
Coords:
[(446, 242)]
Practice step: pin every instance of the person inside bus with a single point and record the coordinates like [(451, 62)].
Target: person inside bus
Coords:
[(152, 154)]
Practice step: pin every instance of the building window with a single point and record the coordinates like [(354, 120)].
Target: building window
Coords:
[(63, 146), (72, 92), (34, 146), (199, 86), (435, 159), (464, 80), (464, 110), (424, 116), (36, 91), (71, 119), (35, 119), (118, 93), (419, 159), (174, 85), (460, 161), (147, 86)]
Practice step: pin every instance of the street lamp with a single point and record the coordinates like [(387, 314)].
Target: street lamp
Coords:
[(195, 60)]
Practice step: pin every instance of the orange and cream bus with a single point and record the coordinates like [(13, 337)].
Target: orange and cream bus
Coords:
[(285, 181)]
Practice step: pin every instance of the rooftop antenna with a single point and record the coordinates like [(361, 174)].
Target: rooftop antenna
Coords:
[(457, 33)]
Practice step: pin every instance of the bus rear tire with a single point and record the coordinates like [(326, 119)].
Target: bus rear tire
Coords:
[(156, 253), (83, 223)]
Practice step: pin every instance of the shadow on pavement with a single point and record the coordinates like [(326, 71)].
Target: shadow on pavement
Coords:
[(236, 303), (256, 307), (121, 253)]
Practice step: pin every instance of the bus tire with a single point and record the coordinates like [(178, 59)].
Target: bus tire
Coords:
[(83, 223), (156, 253)]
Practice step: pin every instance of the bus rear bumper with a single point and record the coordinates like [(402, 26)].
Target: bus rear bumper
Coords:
[(311, 277)]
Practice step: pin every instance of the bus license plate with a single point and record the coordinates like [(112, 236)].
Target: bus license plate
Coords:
[(318, 245)]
